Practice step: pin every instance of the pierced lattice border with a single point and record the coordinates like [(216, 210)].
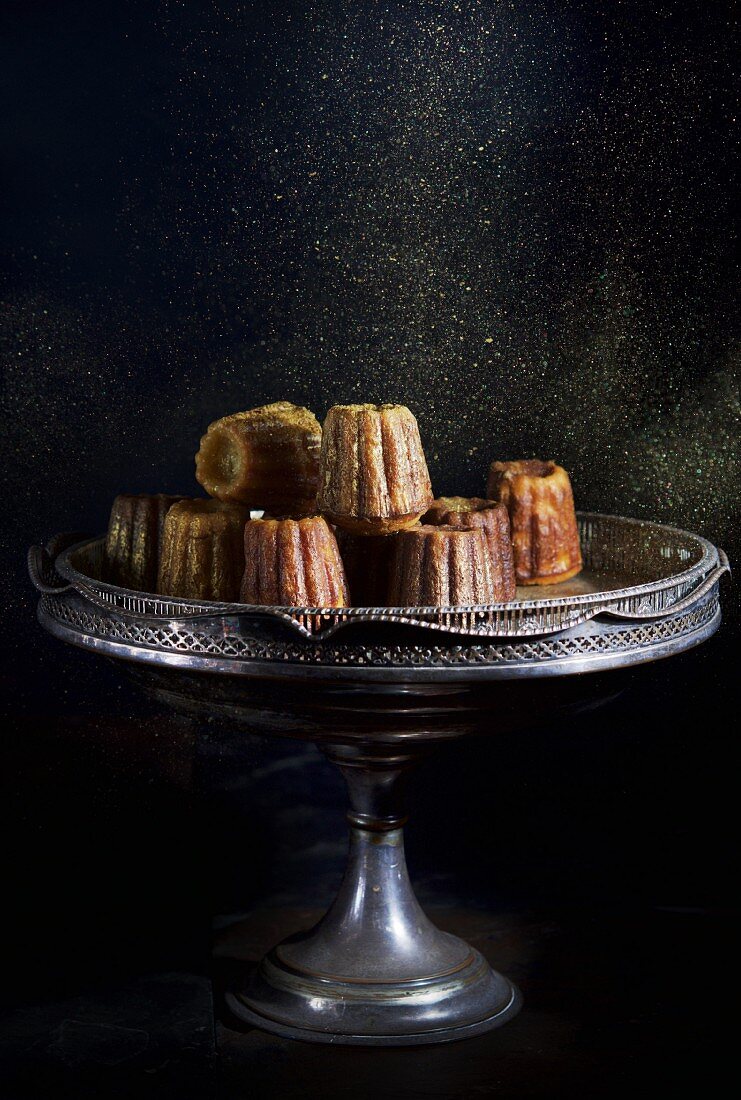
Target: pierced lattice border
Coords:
[(237, 646)]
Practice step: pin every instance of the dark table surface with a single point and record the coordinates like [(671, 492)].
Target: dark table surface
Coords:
[(154, 858)]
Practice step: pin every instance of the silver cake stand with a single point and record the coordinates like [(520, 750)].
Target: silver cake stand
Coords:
[(376, 689)]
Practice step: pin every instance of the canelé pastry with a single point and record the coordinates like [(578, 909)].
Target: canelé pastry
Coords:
[(493, 519), (373, 477), (440, 567), (265, 458), (202, 555), (293, 563), (540, 503), (367, 560), (132, 547)]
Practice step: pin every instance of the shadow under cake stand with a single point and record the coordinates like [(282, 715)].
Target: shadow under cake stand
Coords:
[(378, 689)]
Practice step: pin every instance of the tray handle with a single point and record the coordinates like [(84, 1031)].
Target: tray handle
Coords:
[(40, 563), (723, 566)]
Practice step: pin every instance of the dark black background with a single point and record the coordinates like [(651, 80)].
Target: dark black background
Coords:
[(135, 311)]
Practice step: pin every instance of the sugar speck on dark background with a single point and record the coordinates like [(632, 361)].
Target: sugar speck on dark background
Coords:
[(515, 218)]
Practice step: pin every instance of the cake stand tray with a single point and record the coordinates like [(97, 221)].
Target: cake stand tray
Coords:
[(377, 692)]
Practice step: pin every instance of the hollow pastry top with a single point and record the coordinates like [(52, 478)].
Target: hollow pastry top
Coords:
[(448, 510), (265, 458), (528, 483), (527, 468)]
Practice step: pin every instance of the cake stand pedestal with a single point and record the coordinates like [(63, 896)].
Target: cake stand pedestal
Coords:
[(375, 970)]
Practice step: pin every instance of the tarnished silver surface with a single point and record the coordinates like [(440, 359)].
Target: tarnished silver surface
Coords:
[(375, 971), (223, 645), (632, 570), (376, 965)]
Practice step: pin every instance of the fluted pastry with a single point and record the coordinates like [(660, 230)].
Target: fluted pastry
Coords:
[(132, 548), (373, 477), (493, 519), (545, 536), (441, 567), (293, 563), (203, 550), (266, 458)]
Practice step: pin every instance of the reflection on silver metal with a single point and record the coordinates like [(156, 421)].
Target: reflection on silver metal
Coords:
[(375, 971), (217, 648)]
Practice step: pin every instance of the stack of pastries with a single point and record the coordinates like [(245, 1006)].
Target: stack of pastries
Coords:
[(347, 516)]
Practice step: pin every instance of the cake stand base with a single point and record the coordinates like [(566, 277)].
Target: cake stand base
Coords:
[(239, 1007)]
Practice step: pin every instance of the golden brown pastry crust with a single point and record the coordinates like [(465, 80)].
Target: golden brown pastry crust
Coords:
[(266, 458), (545, 536), (293, 563), (440, 567), (134, 538), (203, 550), (373, 477), (493, 519)]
